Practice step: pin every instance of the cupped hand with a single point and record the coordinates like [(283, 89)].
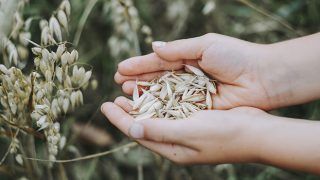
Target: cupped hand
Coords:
[(211, 136), (239, 66)]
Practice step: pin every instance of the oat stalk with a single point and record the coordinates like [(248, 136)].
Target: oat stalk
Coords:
[(83, 20), (274, 17), (126, 146)]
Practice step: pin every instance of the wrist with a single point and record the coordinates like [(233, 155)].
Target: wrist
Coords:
[(276, 78), (254, 136), (273, 137), (262, 139), (289, 71), (289, 143), (246, 144)]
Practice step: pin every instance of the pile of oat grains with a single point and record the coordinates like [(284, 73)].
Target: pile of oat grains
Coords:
[(174, 95)]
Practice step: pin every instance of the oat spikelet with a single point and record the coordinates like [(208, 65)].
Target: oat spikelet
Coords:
[(174, 95)]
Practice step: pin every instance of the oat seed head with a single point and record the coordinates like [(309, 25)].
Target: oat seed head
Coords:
[(52, 89)]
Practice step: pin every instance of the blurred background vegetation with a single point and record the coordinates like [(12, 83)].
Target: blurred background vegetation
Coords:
[(108, 31)]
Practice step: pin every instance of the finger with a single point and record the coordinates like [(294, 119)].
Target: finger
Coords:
[(120, 79), (150, 63), (117, 116), (187, 49), (146, 64), (122, 121), (128, 86), (124, 103), (160, 130), (170, 151)]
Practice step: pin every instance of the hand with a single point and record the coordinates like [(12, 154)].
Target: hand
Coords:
[(224, 136), (235, 63), (212, 136)]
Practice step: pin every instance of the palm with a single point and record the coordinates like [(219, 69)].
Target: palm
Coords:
[(234, 63), (231, 96), (239, 81)]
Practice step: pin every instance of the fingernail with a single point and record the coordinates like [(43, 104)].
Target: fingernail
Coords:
[(136, 131), (158, 44), (103, 107)]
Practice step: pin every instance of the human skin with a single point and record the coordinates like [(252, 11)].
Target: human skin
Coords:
[(239, 135), (249, 74)]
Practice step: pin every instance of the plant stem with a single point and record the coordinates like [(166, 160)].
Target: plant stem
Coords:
[(31, 152), (82, 21), (62, 172), (27, 164), (134, 32), (129, 145), (140, 164), (269, 15), (8, 150)]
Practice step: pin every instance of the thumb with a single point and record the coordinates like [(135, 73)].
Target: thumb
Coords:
[(159, 130), (184, 49)]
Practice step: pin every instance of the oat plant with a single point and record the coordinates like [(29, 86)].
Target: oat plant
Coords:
[(33, 104)]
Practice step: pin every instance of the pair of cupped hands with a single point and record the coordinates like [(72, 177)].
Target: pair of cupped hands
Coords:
[(247, 86)]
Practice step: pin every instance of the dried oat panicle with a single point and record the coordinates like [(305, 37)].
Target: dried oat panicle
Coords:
[(60, 79), (127, 27), (174, 95), (14, 33), (52, 89)]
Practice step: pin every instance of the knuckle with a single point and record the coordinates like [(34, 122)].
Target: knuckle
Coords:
[(161, 138), (161, 65), (205, 62)]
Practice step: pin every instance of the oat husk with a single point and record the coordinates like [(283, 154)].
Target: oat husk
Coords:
[(175, 95)]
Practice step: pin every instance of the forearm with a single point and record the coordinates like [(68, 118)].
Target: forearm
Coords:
[(289, 143), (292, 70)]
